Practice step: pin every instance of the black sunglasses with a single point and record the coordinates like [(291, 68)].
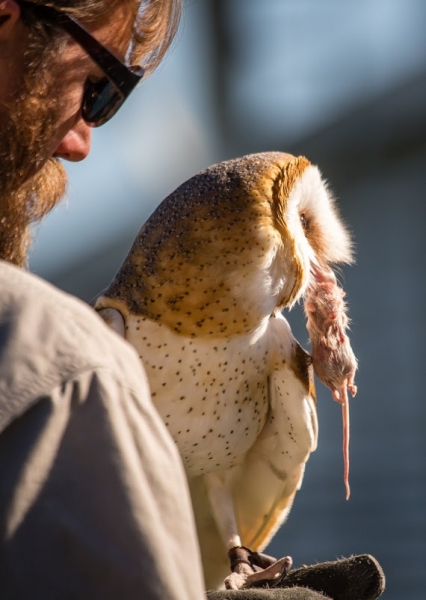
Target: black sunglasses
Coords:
[(101, 98)]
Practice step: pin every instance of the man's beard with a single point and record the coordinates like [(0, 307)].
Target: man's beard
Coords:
[(31, 182)]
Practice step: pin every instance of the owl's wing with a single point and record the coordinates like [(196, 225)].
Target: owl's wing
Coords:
[(273, 469)]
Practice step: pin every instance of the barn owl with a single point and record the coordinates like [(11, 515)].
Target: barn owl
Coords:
[(200, 297)]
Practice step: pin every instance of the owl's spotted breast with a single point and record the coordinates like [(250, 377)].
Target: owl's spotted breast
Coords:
[(212, 397)]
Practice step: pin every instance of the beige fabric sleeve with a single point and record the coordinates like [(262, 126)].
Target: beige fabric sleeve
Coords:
[(93, 499)]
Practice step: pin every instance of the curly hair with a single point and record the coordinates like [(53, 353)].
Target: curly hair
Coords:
[(155, 23)]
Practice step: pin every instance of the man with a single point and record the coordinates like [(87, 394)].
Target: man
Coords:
[(93, 497)]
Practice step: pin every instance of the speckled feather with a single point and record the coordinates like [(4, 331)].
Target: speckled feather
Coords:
[(201, 294), (219, 226)]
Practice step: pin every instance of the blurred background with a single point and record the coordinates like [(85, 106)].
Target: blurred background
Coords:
[(344, 83)]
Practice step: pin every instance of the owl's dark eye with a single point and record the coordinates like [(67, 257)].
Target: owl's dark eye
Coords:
[(304, 221)]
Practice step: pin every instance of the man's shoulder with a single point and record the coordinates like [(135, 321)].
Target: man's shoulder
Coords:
[(48, 336)]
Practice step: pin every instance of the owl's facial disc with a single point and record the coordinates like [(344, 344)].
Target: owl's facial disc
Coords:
[(319, 233)]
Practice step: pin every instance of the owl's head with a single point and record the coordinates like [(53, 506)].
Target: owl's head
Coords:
[(305, 215), (232, 245)]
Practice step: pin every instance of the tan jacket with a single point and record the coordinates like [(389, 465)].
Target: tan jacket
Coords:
[(93, 497)]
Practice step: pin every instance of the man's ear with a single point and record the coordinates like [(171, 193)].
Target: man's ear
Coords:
[(10, 12)]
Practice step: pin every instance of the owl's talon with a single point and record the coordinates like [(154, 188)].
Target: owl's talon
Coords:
[(255, 569), (262, 560), (271, 576)]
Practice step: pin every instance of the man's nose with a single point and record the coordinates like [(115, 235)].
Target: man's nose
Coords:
[(75, 145)]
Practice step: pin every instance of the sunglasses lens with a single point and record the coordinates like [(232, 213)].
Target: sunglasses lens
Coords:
[(101, 100)]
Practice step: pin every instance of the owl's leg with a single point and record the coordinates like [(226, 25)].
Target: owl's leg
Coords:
[(248, 568), (219, 490)]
